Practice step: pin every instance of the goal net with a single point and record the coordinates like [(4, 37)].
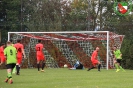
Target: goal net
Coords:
[(67, 47)]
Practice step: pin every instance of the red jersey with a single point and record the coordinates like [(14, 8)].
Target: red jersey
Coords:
[(94, 55), (39, 49), (1, 51), (19, 48)]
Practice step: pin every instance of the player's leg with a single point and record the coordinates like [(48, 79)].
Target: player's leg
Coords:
[(0, 60), (3, 60), (38, 62), (19, 60), (119, 64), (72, 68), (99, 65), (14, 70), (76, 65), (117, 67), (43, 65), (43, 62), (93, 66), (115, 63), (1, 63), (17, 68), (121, 68), (9, 73), (38, 65)]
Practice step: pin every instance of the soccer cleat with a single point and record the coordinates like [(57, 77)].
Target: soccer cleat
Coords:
[(42, 70), (89, 69), (117, 70), (99, 70), (123, 71), (10, 81), (39, 71), (17, 73), (6, 80)]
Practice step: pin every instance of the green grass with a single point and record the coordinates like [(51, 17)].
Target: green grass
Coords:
[(64, 78)]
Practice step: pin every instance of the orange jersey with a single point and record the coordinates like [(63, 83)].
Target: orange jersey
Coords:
[(39, 49), (19, 48), (1, 51), (94, 55)]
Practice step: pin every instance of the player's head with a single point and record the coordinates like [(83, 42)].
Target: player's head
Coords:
[(8, 43), (3, 44), (114, 47), (18, 40), (97, 48), (11, 40), (39, 41)]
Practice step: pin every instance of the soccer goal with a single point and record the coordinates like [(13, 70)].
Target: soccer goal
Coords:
[(69, 46)]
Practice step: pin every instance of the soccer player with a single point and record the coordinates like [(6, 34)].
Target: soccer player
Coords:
[(94, 60), (77, 65), (39, 55), (2, 57), (10, 53), (20, 54), (14, 69), (117, 59)]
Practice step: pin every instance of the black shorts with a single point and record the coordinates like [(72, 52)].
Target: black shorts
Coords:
[(118, 60), (11, 66)]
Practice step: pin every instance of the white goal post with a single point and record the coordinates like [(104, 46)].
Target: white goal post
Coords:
[(67, 44)]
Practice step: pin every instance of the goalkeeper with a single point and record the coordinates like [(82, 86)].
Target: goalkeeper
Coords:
[(77, 65)]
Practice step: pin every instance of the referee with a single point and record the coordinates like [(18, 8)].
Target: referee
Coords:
[(10, 54)]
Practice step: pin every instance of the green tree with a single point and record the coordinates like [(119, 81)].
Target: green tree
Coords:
[(75, 15), (9, 17), (42, 15)]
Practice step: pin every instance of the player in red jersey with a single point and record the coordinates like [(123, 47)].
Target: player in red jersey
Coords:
[(2, 56), (94, 60), (39, 55), (20, 54)]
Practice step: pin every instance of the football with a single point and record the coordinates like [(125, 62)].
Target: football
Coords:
[(65, 65)]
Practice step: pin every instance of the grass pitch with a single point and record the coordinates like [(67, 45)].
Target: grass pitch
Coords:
[(64, 78)]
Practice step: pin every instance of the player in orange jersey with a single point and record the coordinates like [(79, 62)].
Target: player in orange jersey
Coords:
[(20, 54), (2, 57), (94, 60), (39, 55)]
